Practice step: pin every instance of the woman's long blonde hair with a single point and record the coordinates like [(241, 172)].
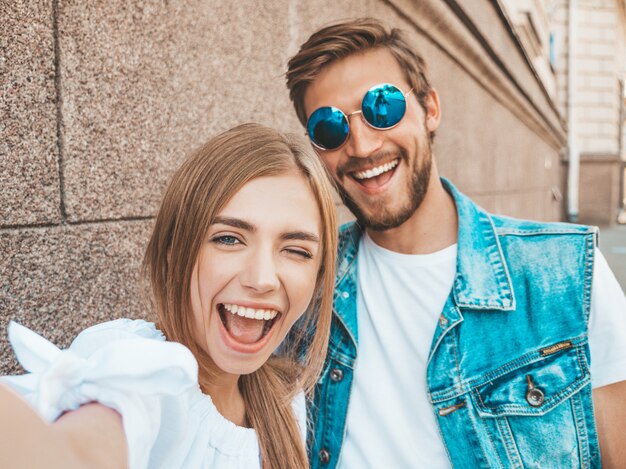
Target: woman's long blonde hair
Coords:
[(196, 194)]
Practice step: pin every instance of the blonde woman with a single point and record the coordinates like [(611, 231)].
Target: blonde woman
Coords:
[(242, 253)]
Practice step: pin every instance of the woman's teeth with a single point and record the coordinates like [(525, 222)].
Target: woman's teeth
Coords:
[(377, 171), (251, 313)]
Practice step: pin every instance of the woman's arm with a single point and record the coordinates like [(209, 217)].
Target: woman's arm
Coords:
[(92, 436)]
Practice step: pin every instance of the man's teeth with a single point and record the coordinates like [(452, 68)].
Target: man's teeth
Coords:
[(377, 171), (265, 314)]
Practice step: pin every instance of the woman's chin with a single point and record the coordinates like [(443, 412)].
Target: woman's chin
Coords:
[(239, 365), (237, 357)]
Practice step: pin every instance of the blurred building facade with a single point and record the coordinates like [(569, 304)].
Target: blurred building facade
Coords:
[(101, 101), (578, 48)]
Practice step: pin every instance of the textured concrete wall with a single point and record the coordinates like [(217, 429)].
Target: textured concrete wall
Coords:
[(29, 175), (102, 100)]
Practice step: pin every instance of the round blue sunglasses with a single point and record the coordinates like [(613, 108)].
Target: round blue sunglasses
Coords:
[(383, 107)]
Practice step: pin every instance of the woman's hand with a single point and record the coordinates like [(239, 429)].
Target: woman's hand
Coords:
[(92, 436)]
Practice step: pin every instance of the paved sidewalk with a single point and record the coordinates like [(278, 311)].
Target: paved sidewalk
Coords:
[(612, 242)]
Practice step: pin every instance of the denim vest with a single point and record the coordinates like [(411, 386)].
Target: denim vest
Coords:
[(508, 370)]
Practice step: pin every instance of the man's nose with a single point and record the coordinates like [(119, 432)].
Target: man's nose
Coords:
[(260, 273), (363, 140)]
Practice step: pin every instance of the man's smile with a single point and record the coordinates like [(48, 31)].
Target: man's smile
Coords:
[(373, 179), (376, 171)]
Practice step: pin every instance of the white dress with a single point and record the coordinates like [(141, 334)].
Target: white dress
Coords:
[(129, 366)]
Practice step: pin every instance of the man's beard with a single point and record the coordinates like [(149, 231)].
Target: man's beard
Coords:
[(383, 217)]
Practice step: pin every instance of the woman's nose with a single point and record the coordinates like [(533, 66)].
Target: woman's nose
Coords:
[(260, 273)]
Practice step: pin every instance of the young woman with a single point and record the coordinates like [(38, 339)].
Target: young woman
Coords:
[(242, 254)]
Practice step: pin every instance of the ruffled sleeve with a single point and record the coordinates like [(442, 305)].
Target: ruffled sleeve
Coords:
[(124, 364)]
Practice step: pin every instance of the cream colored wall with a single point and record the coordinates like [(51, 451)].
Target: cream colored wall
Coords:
[(600, 66)]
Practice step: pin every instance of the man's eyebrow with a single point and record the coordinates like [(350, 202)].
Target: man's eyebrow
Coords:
[(235, 223), (301, 235)]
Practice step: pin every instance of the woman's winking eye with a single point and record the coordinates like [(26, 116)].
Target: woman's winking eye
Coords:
[(300, 252)]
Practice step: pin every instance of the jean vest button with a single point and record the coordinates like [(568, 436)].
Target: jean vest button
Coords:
[(324, 456), (336, 375), (535, 397)]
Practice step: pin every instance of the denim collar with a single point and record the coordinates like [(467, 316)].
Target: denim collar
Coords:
[(482, 277)]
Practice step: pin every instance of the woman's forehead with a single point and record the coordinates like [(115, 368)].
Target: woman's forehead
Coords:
[(281, 201)]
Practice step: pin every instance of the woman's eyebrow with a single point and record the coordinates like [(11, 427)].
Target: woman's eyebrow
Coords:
[(301, 235), (235, 223)]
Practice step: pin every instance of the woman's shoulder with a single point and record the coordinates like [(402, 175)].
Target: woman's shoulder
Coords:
[(137, 327), (95, 337)]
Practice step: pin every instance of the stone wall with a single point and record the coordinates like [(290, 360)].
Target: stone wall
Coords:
[(102, 100)]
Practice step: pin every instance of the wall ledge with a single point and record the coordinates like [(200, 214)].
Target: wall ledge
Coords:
[(449, 28)]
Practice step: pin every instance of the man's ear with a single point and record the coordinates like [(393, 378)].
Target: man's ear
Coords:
[(433, 111)]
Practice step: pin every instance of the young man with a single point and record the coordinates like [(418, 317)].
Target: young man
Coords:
[(459, 337)]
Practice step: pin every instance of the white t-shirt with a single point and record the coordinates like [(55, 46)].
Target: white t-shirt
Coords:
[(390, 421)]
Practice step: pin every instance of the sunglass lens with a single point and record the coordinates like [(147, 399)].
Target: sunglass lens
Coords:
[(383, 106), (327, 128)]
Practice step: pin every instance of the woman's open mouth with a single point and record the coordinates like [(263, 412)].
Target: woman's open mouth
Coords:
[(244, 325)]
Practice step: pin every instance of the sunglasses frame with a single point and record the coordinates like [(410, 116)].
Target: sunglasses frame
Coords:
[(359, 111)]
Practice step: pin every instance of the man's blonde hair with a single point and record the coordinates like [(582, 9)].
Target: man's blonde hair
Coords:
[(344, 39)]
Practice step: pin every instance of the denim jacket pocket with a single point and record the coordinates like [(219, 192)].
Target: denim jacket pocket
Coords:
[(533, 385), (537, 410)]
